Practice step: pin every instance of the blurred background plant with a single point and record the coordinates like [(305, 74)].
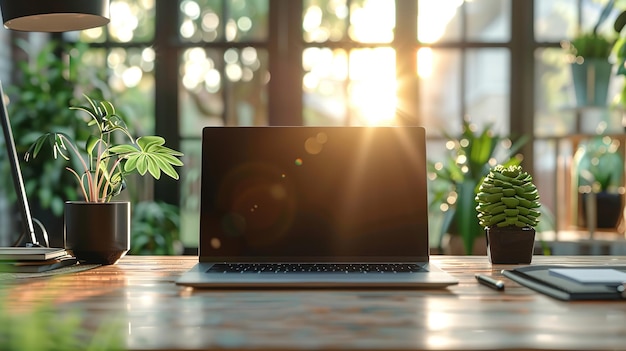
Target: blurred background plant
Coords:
[(155, 229), (599, 170), (44, 329), (589, 56), (600, 166)]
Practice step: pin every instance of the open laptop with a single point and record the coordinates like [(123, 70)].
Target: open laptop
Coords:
[(314, 207)]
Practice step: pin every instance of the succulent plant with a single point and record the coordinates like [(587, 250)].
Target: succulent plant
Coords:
[(508, 197)]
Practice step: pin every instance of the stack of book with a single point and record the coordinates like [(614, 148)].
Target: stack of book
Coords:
[(33, 259)]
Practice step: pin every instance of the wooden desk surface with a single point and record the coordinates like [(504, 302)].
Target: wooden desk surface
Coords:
[(157, 314)]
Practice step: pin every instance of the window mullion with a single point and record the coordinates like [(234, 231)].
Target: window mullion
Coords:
[(522, 102), (285, 52), (405, 45), (166, 91)]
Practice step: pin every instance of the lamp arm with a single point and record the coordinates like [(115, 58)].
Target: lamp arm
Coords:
[(16, 172)]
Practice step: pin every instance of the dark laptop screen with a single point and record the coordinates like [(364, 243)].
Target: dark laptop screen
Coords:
[(313, 194)]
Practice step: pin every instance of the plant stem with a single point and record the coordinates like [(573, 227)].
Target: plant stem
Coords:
[(85, 167)]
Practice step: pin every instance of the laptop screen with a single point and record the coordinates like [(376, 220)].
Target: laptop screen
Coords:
[(354, 194)]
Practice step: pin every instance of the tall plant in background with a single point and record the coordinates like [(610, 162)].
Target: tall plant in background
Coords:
[(457, 177)]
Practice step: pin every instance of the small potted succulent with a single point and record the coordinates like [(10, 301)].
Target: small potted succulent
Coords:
[(508, 204), (97, 230)]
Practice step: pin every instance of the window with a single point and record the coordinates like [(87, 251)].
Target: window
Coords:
[(187, 64)]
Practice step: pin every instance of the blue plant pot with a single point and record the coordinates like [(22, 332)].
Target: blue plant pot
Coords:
[(591, 82)]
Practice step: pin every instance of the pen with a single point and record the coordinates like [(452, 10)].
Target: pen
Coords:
[(490, 282)]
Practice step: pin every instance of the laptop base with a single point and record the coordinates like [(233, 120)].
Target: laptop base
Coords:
[(199, 278)]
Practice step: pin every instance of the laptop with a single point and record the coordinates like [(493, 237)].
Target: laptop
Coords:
[(314, 207)]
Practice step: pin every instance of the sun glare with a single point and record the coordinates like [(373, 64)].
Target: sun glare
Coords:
[(381, 12), (425, 62), (373, 85), (370, 73), (434, 16)]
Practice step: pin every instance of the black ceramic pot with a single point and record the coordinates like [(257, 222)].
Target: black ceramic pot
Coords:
[(97, 232), (608, 209), (510, 245)]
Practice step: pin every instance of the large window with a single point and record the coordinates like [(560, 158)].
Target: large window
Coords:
[(185, 64)]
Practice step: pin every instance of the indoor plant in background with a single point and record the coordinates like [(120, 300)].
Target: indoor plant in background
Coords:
[(456, 179), (508, 204), (588, 55), (97, 229), (155, 229), (599, 173)]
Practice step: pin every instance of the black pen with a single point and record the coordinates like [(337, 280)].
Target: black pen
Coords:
[(490, 282)]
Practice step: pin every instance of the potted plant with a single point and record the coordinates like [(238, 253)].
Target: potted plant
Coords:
[(508, 204), (97, 229), (588, 54), (456, 179), (599, 170)]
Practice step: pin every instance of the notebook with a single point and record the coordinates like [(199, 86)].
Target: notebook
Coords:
[(572, 282), (314, 207)]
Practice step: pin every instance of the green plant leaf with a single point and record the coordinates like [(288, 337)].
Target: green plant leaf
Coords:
[(166, 167), (122, 149), (153, 166), (109, 110), (606, 11), (142, 163), (620, 22), (146, 142), (91, 143)]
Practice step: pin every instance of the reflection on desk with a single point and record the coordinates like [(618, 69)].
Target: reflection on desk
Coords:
[(156, 314)]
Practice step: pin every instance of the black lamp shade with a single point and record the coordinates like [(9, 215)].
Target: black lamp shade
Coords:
[(54, 15)]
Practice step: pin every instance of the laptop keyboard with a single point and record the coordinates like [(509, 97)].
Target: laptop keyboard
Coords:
[(285, 268)]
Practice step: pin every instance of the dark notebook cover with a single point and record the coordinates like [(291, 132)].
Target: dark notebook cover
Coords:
[(37, 266), (539, 278)]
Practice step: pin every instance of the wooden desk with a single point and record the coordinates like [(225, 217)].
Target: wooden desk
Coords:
[(157, 314)]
